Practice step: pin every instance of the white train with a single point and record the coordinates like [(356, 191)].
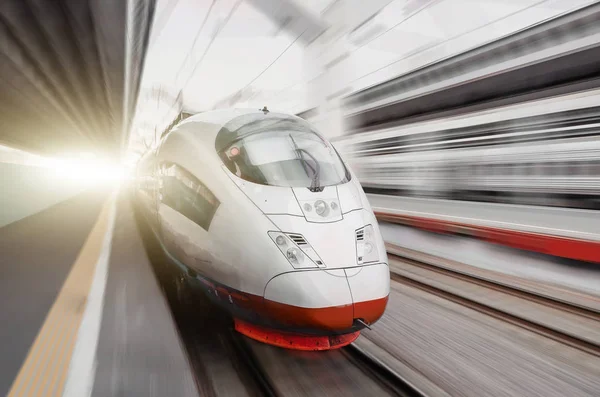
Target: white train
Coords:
[(542, 152), (258, 210)]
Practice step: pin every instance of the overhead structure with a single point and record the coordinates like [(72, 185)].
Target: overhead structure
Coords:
[(559, 53), (70, 73), (158, 109), (291, 17)]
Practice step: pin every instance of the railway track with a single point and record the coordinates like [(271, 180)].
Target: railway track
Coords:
[(377, 369), (255, 373), (567, 323), (264, 384)]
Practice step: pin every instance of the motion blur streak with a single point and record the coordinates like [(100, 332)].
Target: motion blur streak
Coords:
[(413, 185)]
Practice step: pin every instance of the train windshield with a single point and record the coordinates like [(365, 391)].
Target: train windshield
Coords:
[(283, 152)]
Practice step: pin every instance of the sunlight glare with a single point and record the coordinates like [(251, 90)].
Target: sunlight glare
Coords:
[(88, 170)]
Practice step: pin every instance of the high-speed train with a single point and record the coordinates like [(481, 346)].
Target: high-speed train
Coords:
[(259, 211)]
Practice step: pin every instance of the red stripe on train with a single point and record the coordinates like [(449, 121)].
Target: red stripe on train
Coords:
[(566, 247)]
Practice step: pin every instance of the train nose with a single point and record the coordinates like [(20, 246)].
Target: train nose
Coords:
[(328, 300), (370, 287)]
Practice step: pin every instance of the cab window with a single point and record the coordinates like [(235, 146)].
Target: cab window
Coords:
[(280, 151)]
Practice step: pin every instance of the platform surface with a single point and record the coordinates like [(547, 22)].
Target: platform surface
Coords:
[(50, 304), (37, 254)]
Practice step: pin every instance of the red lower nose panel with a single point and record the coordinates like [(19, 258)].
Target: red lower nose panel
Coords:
[(370, 311), (326, 318), (289, 340), (334, 318)]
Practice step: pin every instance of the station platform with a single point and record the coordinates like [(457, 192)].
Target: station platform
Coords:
[(563, 232), (83, 314)]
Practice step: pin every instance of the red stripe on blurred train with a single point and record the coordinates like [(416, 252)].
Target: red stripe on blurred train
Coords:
[(259, 211)]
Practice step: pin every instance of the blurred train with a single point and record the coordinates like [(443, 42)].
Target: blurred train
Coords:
[(260, 212), (544, 152)]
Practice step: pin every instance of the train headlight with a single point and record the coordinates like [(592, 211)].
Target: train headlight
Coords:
[(295, 256), (296, 250), (280, 240), (366, 245), (321, 208)]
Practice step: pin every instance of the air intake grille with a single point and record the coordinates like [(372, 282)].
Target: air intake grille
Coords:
[(298, 239), (360, 235)]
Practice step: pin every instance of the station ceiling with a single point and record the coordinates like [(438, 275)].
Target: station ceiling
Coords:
[(70, 71)]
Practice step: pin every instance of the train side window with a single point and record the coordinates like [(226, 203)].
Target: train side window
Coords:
[(187, 195)]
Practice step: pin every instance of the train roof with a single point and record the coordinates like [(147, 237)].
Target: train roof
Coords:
[(226, 125), (222, 116)]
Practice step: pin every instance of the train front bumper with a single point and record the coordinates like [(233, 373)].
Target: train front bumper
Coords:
[(328, 301)]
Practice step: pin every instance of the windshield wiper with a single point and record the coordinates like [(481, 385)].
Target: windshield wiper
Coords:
[(314, 184)]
